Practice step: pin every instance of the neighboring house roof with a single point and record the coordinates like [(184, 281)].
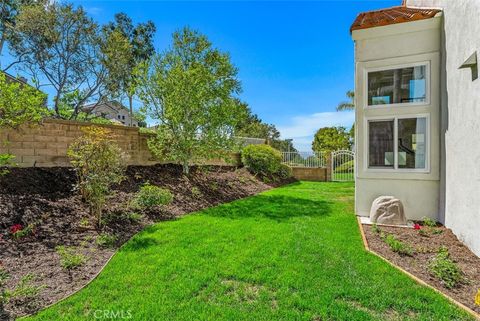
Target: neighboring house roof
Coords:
[(114, 105), (12, 78), (391, 16)]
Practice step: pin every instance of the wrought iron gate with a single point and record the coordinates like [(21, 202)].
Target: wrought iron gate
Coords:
[(343, 166)]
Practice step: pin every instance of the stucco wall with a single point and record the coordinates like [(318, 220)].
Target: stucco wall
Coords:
[(461, 118), (389, 46), (46, 144)]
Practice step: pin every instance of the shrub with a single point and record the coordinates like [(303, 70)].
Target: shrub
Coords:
[(99, 164), (376, 229), (442, 267), (284, 171), (19, 232), (69, 258), (398, 246), (106, 240), (6, 160), (262, 159), (429, 222), (196, 192), (151, 195)]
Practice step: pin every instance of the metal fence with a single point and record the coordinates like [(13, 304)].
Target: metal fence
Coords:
[(304, 159), (343, 166)]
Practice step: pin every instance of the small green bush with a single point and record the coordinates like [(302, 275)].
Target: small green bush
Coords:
[(151, 195), (106, 240), (429, 222), (196, 192), (398, 246), (376, 229), (99, 164), (262, 159), (69, 257), (266, 161), (284, 171), (442, 267)]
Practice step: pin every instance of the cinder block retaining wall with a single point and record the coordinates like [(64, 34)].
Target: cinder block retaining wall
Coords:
[(311, 174), (46, 144)]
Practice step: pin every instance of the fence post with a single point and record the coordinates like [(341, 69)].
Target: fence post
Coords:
[(329, 167)]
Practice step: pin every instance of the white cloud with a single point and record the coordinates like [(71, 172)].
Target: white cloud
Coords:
[(302, 128), (93, 10)]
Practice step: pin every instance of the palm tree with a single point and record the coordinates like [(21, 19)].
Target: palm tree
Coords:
[(347, 105)]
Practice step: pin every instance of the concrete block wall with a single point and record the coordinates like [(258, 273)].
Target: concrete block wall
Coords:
[(311, 174), (46, 144)]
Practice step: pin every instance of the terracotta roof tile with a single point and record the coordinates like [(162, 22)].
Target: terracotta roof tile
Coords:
[(390, 16)]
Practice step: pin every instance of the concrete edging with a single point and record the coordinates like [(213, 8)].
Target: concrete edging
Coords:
[(413, 277)]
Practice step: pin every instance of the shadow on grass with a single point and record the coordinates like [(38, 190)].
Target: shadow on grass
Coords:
[(275, 207), (140, 242)]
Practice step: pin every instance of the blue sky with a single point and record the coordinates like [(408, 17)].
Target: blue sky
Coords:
[(295, 58)]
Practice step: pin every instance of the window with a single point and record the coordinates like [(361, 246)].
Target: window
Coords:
[(397, 86), (380, 138), (399, 143), (411, 142)]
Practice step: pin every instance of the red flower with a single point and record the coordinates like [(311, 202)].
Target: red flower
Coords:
[(416, 226), (16, 228)]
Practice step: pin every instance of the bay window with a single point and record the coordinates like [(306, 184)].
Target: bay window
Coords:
[(406, 85), (398, 143)]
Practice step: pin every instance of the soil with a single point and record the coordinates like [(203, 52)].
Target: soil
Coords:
[(425, 249), (45, 199)]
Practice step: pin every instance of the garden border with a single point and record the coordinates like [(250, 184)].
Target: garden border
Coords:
[(74, 292), (416, 279)]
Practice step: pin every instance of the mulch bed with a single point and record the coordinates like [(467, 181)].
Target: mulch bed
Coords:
[(425, 249), (46, 197)]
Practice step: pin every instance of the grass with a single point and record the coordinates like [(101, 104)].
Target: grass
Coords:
[(293, 253)]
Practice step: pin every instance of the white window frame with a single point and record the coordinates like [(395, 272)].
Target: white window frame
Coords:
[(392, 67), (395, 168)]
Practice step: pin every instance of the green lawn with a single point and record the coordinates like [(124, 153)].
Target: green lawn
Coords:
[(293, 253)]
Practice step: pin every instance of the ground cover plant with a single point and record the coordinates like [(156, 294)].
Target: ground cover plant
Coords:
[(445, 269), (435, 255), (47, 200), (293, 253)]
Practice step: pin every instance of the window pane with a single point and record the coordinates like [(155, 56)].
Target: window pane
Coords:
[(380, 142), (404, 85), (412, 148)]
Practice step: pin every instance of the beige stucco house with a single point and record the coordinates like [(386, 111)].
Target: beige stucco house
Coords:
[(417, 104), (113, 111)]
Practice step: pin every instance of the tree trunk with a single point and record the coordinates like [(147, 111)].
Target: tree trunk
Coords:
[(130, 102), (2, 43), (186, 168)]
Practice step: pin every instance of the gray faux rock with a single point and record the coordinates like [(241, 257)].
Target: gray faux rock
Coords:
[(387, 210)]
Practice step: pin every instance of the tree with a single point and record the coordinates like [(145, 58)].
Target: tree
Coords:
[(347, 105), (189, 90), (329, 139), (9, 9), (253, 126), (136, 44), (61, 47), (19, 104)]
